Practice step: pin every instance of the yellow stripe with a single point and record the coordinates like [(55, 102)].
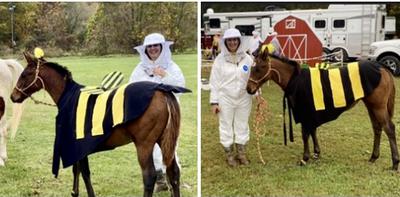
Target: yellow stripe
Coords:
[(118, 105), (99, 113), (335, 80), (316, 87), (355, 80), (81, 114)]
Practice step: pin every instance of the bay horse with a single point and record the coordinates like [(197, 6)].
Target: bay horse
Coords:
[(285, 73), (10, 70), (159, 123)]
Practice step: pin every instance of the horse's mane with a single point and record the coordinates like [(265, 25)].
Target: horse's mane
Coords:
[(286, 60), (62, 70)]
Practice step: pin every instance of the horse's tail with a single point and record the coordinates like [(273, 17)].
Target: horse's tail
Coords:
[(16, 118), (392, 95), (170, 135), (16, 70)]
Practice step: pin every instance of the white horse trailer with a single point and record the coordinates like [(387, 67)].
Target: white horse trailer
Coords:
[(350, 28)]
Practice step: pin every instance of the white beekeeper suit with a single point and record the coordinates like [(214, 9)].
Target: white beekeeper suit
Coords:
[(228, 81), (144, 72)]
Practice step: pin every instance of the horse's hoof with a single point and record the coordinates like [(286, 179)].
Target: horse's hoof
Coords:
[(316, 156), (73, 194), (302, 162), (373, 159), (2, 163)]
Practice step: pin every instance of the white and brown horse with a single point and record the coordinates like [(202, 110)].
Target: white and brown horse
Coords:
[(10, 70)]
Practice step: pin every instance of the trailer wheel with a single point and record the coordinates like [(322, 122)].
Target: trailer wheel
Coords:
[(392, 63), (339, 57)]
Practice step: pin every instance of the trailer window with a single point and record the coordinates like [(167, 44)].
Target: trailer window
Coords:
[(246, 30), (215, 23), (383, 22), (319, 24), (339, 23)]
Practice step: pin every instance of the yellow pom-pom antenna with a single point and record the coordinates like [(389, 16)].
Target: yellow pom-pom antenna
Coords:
[(38, 52), (271, 48)]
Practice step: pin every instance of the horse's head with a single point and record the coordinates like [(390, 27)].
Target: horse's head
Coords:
[(29, 82), (260, 73)]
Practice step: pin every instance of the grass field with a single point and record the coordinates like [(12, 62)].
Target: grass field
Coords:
[(114, 173), (342, 170)]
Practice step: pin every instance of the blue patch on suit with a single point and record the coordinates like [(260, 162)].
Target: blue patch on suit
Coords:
[(245, 68)]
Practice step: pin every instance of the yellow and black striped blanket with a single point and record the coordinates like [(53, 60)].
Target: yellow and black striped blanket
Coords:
[(318, 96), (85, 120)]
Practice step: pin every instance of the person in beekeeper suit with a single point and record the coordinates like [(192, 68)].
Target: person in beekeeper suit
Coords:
[(229, 98), (156, 65)]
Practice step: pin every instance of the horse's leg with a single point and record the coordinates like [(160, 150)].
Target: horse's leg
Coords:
[(317, 150), (173, 173), (383, 118), (306, 155), (3, 153), (75, 188), (145, 157), (377, 135), (85, 170), (3, 132)]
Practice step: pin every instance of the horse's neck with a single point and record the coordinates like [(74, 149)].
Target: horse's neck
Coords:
[(283, 74), (54, 83)]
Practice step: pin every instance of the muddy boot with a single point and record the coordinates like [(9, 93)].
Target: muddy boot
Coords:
[(230, 156), (242, 154), (161, 182)]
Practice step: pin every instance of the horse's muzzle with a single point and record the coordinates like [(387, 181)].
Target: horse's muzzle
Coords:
[(17, 97), (251, 90)]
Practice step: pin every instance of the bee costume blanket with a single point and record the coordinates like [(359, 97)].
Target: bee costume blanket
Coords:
[(85, 120), (317, 96)]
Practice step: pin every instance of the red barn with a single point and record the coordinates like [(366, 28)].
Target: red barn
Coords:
[(297, 40)]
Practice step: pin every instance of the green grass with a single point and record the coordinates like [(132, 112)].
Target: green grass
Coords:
[(342, 170), (114, 173)]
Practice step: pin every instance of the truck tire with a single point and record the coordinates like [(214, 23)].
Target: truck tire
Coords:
[(392, 63), (337, 58)]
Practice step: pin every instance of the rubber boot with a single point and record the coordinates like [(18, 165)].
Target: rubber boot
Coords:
[(161, 182), (242, 154), (230, 156)]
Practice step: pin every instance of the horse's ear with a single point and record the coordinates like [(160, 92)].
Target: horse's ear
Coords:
[(256, 53), (264, 52), (29, 58)]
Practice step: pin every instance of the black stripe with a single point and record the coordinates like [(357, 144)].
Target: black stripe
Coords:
[(108, 117), (348, 91), (89, 115), (112, 82), (108, 77)]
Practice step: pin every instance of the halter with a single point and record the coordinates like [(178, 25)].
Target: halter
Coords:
[(22, 90), (266, 74)]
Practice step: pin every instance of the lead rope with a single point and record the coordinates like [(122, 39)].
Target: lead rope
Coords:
[(260, 116)]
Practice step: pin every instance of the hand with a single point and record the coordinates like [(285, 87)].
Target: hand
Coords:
[(159, 71), (215, 109), (258, 98)]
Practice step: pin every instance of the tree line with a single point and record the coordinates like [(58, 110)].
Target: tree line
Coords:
[(63, 28)]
